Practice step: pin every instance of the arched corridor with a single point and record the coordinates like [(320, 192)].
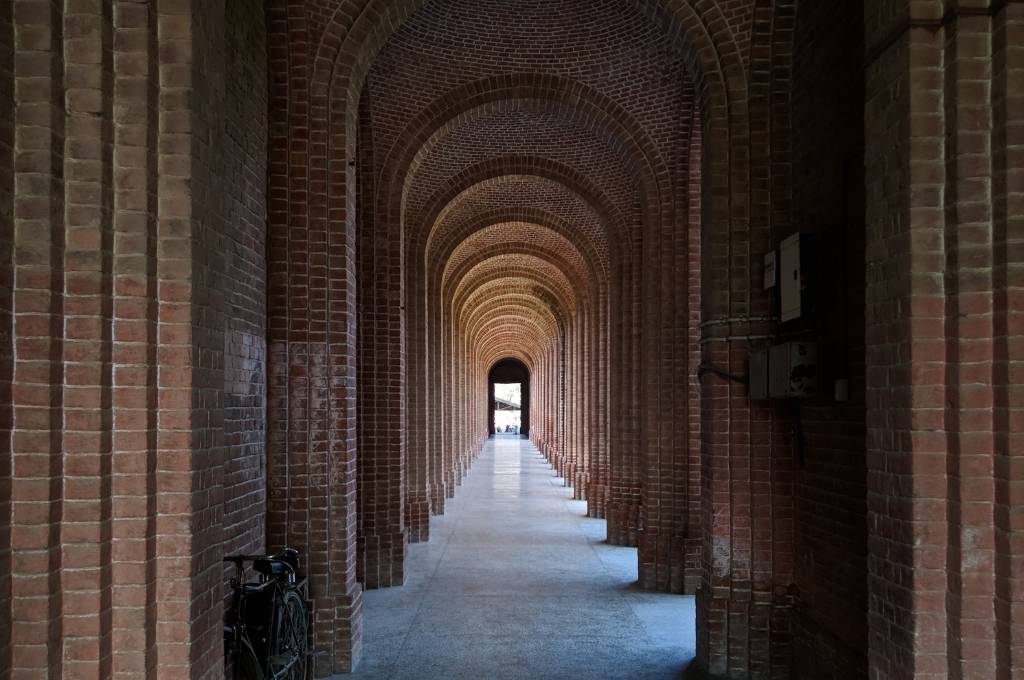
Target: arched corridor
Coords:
[(517, 582), (755, 264)]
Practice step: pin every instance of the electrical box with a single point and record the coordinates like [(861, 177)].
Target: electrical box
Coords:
[(790, 279), (793, 370), (758, 378)]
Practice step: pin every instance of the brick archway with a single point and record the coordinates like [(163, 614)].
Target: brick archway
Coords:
[(509, 370), (155, 405), (345, 79)]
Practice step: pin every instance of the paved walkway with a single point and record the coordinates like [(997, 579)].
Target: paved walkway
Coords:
[(517, 583)]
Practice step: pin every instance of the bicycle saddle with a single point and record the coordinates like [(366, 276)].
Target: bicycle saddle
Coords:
[(268, 566), (282, 564)]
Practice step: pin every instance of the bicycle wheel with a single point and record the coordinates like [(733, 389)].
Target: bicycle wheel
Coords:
[(248, 664), (289, 654)]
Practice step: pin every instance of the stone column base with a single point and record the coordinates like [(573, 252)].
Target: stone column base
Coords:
[(417, 519), (597, 500), (623, 523), (382, 560), (669, 563)]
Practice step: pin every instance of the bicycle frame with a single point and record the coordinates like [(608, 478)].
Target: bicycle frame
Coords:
[(242, 635)]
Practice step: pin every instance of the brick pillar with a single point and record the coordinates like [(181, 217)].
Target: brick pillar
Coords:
[(624, 457), (86, 514), (116, 295), (436, 406), (572, 406), (418, 399), (666, 334), (906, 558), (744, 598), (190, 266), (597, 495), (311, 458), (135, 343), (381, 379), (969, 345), (1008, 322), (37, 308), (942, 207), (7, 128), (448, 391), (693, 411)]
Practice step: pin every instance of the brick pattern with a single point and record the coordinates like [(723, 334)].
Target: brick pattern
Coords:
[(190, 289), (1008, 328), (593, 203), (245, 399), (889, 566), (668, 543), (7, 132), (381, 396), (743, 599), (136, 340), (938, 432), (311, 392), (116, 443), (468, 108), (829, 485), (37, 306)]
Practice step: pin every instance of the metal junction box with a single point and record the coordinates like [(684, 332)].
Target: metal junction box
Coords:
[(793, 371), (758, 378)]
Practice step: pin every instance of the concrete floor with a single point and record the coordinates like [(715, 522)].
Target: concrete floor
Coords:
[(517, 583)]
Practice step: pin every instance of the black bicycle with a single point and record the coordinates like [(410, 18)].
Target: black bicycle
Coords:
[(266, 631)]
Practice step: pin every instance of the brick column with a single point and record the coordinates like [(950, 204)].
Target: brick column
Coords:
[(135, 334), (36, 338), (940, 309), (906, 459), (969, 315), (624, 455), (7, 128), (436, 406), (381, 381), (116, 471), (597, 494), (190, 266), (1008, 328), (418, 399), (666, 396), (311, 457), (693, 411), (744, 597)]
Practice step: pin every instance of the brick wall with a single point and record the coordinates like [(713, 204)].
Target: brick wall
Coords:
[(668, 544), (938, 353), (744, 599), (244, 145), (1008, 322), (115, 462), (830, 579), (311, 442), (6, 317), (538, 203), (380, 367)]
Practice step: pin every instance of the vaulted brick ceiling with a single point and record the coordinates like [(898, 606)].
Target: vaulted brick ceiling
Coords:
[(521, 175)]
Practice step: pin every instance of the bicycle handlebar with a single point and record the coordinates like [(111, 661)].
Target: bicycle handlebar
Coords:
[(235, 559)]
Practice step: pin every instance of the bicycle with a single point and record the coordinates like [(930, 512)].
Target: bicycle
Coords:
[(266, 631)]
